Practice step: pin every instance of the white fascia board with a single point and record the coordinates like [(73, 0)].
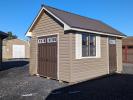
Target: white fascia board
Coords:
[(100, 33), (66, 27), (28, 34)]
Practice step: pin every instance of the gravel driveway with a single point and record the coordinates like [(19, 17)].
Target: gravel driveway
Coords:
[(128, 68), (17, 84)]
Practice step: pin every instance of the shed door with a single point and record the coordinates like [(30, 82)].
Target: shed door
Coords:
[(18, 51), (47, 56), (112, 55)]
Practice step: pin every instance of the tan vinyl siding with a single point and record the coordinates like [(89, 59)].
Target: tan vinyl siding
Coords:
[(70, 69), (119, 55), (87, 68), (46, 26), (33, 55)]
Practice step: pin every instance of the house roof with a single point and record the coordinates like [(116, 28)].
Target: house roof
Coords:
[(12, 41), (127, 41), (3, 35), (75, 21)]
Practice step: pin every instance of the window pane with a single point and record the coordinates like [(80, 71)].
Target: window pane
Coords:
[(85, 51), (92, 45), (88, 45), (85, 45)]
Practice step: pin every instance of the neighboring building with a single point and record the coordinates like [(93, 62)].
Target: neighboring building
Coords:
[(3, 35), (127, 45), (15, 48), (72, 48)]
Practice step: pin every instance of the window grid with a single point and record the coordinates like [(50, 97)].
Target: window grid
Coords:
[(88, 45)]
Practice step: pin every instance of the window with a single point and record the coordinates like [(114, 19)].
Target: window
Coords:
[(88, 45)]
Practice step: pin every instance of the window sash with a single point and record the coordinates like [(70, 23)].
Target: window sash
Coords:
[(88, 45)]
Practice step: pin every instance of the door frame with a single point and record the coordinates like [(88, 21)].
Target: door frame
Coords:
[(108, 52), (57, 52)]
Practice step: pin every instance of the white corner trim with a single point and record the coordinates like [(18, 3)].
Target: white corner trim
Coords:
[(108, 54), (58, 58), (98, 46), (119, 53), (78, 46)]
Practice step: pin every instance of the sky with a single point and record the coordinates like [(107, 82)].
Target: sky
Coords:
[(17, 15)]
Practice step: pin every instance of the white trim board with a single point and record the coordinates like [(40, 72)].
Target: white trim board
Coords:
[(78, 47), (108, 55), (89, 31), (66, 27), (43, 8)]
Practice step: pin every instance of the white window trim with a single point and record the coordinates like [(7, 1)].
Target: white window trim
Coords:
[(78, 47)]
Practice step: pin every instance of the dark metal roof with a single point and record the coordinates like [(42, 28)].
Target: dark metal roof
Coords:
[(3, 35), (81, 22)]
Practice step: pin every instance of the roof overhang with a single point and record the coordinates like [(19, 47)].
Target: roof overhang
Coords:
[(66, 26), (3, 35), (29, 33), (96, 32)]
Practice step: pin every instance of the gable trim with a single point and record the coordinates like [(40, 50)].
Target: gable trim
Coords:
[(66, 26), (43, 8)]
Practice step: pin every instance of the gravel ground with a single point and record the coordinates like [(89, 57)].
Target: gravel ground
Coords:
[(17, 84), (128, 68)]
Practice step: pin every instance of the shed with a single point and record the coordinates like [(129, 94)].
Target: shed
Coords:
[(127, 50), (16, 48), (72, 48), (3, 35)]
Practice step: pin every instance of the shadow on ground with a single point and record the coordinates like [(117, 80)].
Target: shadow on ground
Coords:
[(13, 63), (114, 87)]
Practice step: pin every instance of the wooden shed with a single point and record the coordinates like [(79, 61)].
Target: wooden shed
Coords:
[(127, 50), (15, 48), (3, 35), (72, 48)]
